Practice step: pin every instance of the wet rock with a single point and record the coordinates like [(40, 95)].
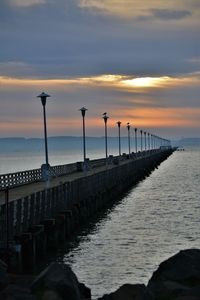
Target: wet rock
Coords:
[(130, 292), (179, 276), (59, 281)]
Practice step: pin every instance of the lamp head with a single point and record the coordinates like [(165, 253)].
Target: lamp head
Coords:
[(43, 96), (83, 110)]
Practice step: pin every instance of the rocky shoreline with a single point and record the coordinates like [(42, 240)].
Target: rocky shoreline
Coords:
[(177, 278)]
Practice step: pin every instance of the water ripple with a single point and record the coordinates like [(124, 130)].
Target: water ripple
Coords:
[(155, 220)]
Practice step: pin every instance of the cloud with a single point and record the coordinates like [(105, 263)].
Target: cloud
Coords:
[(98, 54), (66, 38), (167, 14), (26, 3), (140, 10)]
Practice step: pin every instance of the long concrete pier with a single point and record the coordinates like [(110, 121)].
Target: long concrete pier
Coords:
[(36, 217)]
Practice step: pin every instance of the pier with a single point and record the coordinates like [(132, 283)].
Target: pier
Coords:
[(35, 217)]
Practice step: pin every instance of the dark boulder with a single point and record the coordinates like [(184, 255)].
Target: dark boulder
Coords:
[(60, 281), (84, 290), (15, 292), (179, 276), (130, 292)]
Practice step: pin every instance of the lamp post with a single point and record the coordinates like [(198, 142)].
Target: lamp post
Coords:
[(119, 133), (129, 144), (149, 141), (135, 140), (105, 117), (43, 96), (152, 142), (83, 110), (141, 141), (145, 141)]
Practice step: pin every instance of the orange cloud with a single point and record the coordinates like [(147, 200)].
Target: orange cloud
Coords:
[(139, 117), (113, 81), (163, 117)]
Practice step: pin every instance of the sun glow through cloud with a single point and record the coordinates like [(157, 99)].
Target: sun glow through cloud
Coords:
[(145, 81), (136, 100), (112, 80)]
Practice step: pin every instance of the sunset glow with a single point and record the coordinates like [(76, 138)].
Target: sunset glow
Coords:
[(145, 82), (136, 60)]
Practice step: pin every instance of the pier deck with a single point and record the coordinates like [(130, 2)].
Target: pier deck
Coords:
[(22, 191), (38, 215)]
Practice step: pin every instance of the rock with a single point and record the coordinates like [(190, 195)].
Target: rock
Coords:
[(3, 275), (130, 292), (15, 292), (179, 276), (51, 295), (59, 281), (85, 291)]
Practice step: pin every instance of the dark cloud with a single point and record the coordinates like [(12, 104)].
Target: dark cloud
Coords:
[(59, 39), (168, 14)]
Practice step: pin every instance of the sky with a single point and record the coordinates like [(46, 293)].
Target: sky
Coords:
[(137, 60)]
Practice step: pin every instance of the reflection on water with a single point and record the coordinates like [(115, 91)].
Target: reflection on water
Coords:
[(156, 219)]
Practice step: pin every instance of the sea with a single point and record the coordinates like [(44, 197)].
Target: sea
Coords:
[(151, 222)]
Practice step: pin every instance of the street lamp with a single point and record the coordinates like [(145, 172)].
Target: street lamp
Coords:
[(119, 125), (105, 117), (135, 140), (141, 140), (129, 144), (83, 110), (43, 96), (152, 144), (149, 141), (145, 141)]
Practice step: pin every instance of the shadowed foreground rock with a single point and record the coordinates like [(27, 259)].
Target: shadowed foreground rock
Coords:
[(178, 278), (59, 281), (56, 282), (130, 292)]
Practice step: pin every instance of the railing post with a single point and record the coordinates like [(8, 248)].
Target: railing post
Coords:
[(7, 223)]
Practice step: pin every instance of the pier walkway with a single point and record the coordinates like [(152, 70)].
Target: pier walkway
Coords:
[(25, 189), (35, 216)]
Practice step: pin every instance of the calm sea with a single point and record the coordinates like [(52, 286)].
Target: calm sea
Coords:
[(18, 154), (157, 218), (154, 220)]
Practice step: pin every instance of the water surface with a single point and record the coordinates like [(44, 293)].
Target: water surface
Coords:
[(157, 218)]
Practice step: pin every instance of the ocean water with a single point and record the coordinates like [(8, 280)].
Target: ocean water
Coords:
[(18, 154), (153, 221)]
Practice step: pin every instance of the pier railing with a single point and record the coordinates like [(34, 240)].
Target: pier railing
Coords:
[(19, 215), (26, 177)]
